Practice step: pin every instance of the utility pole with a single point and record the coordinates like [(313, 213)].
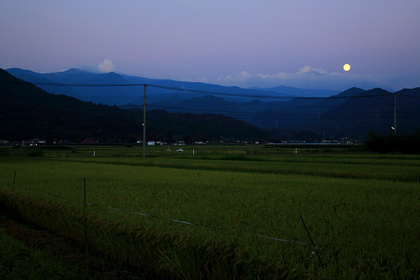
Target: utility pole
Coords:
[(144, 122), (395, 113)]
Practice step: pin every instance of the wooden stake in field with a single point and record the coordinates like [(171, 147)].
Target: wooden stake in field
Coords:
[(13, 189), (84, 208)]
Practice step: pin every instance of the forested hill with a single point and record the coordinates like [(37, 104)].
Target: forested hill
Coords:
[(28, 112)]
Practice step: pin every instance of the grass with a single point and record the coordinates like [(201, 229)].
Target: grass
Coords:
[(361, 210), (20, 261), (29, 252)]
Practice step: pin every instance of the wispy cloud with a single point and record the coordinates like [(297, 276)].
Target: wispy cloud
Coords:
[(311, 77), (106, 66)]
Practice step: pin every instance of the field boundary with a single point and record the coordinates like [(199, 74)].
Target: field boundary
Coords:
[(281, 171)]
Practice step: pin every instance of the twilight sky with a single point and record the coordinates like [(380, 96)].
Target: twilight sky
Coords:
[(245, 43)]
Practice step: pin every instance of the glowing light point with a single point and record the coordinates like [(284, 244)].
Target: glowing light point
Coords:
[(346, 67)]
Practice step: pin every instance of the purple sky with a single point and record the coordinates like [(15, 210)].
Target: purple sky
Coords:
[(246, 43)]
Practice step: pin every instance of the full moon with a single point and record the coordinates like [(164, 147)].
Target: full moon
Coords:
[(346, 67)]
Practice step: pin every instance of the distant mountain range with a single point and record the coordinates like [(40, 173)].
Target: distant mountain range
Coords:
[(299, 92), (286, 112), (28, 112), (352, 113), (53, 83)]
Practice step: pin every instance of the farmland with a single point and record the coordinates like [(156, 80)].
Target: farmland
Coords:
[(207, 212)]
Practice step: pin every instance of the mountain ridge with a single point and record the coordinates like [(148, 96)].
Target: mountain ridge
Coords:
[(27, 112), (155, 94), (335, 115), (301, 92)]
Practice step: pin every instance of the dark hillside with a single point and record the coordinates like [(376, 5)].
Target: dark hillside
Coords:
[(200, 127), (352, 113), (27, 112), (129, 95), (305, 110), (408, 110), (374, 111)]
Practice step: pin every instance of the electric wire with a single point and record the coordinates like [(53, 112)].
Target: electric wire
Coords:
[(272, 115), (210, 92), (257, 115)]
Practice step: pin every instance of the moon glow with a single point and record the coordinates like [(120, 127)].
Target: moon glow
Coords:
[(346, 67)]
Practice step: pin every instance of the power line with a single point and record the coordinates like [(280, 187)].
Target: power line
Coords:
[(88, 85), (266, 96), (243, 114), (222, 93), (409, 96), (210, 92), (273, 114)]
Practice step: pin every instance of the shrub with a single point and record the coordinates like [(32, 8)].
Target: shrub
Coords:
[(393, 143)]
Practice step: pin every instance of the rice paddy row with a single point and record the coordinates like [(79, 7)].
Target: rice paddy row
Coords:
[(361, 210)]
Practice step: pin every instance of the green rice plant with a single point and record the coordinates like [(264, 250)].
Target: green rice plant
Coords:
[(166, 254), (18, 261), (363, 225), (400, 168)]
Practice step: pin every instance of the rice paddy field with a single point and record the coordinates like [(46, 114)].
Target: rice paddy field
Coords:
[(226, 212)]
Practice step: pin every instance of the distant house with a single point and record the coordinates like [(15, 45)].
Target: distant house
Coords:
[(38, 141), (89, 141)]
